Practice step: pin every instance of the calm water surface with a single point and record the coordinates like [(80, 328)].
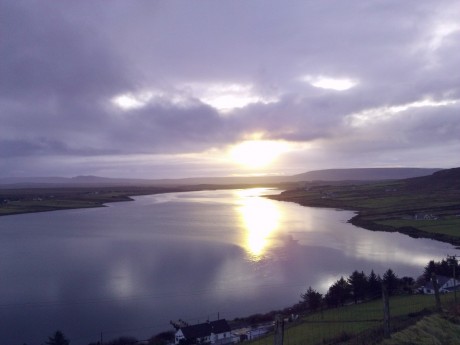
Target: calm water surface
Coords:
[(129, 268)]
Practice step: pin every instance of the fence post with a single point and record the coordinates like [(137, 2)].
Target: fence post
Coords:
[(386, 312), (279, 329), (434, 281)]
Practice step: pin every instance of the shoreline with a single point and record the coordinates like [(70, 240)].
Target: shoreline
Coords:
[(406, 230), (359, 221), (39, 200), (35, 200)]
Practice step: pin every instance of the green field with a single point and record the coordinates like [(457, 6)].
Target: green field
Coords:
[(29, 200), (449, 226), (363, 321), (393, 205), (42, 200)]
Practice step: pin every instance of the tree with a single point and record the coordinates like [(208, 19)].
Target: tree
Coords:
[(407, 284), (162, 338), (428, 270), (391, 281), (358, 285), (374, 286), (338, 293), (58, 339), (122, 341), (312, 299), (440, 268)]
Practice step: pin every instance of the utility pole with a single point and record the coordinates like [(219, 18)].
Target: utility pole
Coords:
[(434, 281), (453, 260), (386, 312)]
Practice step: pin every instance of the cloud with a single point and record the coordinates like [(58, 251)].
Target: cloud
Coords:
[(90, 81)]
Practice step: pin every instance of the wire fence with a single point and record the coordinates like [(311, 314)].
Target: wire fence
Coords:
[(357, 324)]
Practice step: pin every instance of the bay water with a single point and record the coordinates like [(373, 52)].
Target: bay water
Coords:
[(131, 267)]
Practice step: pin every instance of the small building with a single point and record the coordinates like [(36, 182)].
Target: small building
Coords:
[(425, 216), (251, 333), (445, 284), (214, 332)]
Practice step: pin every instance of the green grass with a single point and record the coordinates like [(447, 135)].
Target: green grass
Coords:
[(351, 320), (449, 227), (384, 206), (45, 205), (430, 330)]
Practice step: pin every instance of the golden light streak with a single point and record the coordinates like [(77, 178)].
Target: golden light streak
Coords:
[(261, 218)]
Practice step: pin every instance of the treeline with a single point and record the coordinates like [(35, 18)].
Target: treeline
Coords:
[(358, 287), (445, 267)]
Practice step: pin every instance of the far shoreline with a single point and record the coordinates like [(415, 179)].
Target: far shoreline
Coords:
[(17, 201), (36, 200), (359, 221)]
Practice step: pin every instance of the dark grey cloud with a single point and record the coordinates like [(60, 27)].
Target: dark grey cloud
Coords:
[(64, 63)]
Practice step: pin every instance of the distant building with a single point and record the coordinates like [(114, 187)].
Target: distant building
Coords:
[(250, 333), (425, 216), (214, 332)]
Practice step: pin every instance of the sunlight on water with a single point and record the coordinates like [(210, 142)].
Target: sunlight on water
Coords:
[(260, 218)]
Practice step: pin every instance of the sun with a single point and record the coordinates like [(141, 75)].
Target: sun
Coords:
[(257, 153)]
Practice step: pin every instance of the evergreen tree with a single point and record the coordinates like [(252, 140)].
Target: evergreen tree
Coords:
[(338, 293), (358, 285), (58, 339), (407, 284), (374, 287), (124, 340), (441, 268), (429, 269), (391, 281), (312, 299)]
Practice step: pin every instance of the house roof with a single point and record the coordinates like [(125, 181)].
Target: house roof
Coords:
[(205, 329), (441, 281), (220, 326)]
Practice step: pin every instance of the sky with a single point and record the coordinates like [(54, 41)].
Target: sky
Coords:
[(170, 89)]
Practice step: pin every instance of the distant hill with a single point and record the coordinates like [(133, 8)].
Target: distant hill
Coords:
[(360, 174), (78, 181), (363, 174), (448, 179)]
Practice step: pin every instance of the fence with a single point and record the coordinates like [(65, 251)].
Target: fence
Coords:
[(357, 324)]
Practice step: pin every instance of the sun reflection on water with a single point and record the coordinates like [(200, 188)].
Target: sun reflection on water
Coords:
[(260, 218)]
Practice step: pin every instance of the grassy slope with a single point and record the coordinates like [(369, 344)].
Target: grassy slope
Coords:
[(363, 321), (430, 330)]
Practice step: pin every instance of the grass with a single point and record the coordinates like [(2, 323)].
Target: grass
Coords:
[(30, 206), (430, 330), (342, 324), (449, 227), (389, 206), (41, 199)]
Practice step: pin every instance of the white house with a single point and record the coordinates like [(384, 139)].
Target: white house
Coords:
[(445, 284), (214, 332), (425, 216)]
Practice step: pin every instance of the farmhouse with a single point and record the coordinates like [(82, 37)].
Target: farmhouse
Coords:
[(214, 332), (445, 284), (425, 216)]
